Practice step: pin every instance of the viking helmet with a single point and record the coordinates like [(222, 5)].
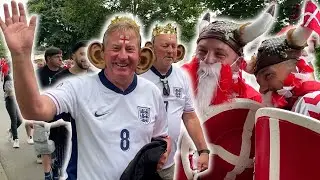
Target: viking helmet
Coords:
[(278, 49), (233, 34)]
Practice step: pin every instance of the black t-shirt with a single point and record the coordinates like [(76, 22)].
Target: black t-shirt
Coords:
[(61, 75), (45, 76)]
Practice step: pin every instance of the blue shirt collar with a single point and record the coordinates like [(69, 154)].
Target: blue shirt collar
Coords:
[(104, 80)]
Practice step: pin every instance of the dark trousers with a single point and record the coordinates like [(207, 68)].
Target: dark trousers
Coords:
[(60, 137), (16, 121)]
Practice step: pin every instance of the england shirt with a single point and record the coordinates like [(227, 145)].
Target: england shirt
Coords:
[(109, 126), (178, 102)]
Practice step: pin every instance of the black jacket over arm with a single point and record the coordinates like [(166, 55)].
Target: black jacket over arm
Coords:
[(144, 164)]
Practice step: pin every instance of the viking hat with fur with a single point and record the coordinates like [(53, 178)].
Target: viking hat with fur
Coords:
[(233, 34), (279, 49)]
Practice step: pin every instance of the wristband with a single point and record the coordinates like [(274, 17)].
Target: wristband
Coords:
[(204, 151)]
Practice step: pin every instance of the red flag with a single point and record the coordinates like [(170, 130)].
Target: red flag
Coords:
[(311, 17)]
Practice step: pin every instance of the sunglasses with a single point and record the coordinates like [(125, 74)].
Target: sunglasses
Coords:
[(166, 88)]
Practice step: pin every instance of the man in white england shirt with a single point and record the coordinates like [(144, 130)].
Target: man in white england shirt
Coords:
[(115, 113)]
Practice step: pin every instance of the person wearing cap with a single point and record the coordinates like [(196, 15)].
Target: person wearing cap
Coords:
[(113, 113), (284, 75), (176, 92), (216, 69)]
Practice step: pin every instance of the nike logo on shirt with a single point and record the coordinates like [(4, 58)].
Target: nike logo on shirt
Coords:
[(101, 112)]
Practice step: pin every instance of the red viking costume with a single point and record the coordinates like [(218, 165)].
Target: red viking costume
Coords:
[(299, 93), (228, 123), (287, 141)]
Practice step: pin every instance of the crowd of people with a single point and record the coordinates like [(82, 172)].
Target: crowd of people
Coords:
[(50, 70), (124, 122)]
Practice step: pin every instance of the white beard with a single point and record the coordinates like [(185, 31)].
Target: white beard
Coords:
[(267, 99), (207, 86)]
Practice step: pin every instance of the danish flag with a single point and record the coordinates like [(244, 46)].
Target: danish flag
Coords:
[(311, 17)]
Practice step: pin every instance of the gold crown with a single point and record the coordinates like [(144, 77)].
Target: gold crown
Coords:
[(118, 19), (167, 29)]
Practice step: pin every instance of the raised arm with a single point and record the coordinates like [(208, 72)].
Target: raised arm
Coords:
[(19, 37)]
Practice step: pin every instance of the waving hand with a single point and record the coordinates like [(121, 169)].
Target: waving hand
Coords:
[(18, 34)]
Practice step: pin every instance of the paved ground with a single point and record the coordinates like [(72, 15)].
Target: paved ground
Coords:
[(16, 164)]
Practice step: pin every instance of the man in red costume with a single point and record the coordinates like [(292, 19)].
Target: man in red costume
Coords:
[(216, 75), (287, 141), (216, 69), (284, 76)]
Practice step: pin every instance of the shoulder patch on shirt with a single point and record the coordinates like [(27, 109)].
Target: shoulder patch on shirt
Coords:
[(144, 114), (177, 92)]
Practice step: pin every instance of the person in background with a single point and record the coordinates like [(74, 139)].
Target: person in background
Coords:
[(12, 108)]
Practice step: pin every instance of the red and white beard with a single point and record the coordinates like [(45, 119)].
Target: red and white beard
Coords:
[(209, 76)]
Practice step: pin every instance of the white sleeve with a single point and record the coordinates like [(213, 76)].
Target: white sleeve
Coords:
[(309, 105), (189, 98), (63, 96), (161, 122)]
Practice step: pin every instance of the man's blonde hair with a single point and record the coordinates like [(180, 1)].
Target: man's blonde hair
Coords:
[(122, 24)]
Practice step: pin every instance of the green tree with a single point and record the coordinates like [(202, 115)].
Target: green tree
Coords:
[(184, 12), (63, 23), (87, 17), (53, 30), (3, 50)]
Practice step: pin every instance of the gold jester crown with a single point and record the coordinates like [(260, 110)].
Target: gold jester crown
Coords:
[(118, 19), (167, 29)]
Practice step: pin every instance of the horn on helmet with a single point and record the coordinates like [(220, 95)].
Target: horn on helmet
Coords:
[(251, 31), (204, 22), (298, 37)]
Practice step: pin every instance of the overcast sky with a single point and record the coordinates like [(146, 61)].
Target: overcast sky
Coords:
[(9, 2)]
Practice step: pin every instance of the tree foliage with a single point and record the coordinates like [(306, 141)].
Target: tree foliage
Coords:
[(3, 52), (63, 23), (183, 12), (85, 17), (54, 29)]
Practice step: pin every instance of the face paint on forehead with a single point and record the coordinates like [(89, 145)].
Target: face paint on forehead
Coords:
[(124, 39), (170, 37)]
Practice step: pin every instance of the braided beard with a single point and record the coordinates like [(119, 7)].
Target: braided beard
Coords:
[(209, 76)]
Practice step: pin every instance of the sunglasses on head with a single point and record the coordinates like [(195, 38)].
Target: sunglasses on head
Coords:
[(166, 88)]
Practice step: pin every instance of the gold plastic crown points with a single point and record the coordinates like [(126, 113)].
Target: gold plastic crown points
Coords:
[(167, 29), (119, 19)]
